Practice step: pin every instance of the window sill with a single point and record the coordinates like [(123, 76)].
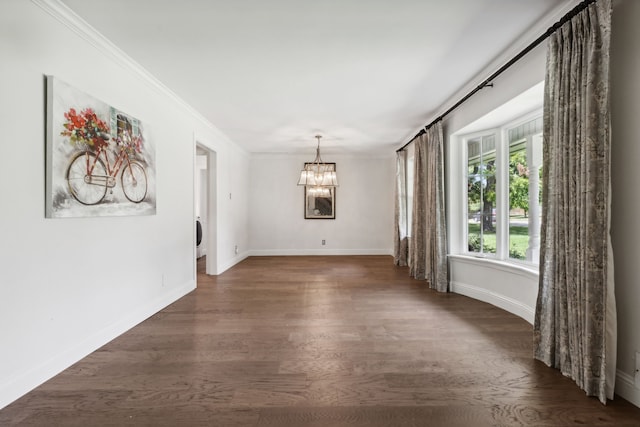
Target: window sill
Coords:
[(530, 271)]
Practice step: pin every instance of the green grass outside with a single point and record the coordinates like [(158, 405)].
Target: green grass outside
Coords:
[(518, 239)]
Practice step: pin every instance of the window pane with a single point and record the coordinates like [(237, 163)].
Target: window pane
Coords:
[(481, 195), (474, 195), (518, 202), (525, 173)]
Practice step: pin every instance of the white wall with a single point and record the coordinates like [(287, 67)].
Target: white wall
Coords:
[(625, 157), (68, 286), (233, 207), (364, 207), (505, 285)]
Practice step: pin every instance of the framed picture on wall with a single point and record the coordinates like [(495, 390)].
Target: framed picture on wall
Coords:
[(100, 160), (320, 202)]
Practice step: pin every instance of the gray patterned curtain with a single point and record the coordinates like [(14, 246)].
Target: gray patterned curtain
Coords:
[(400, 237), (428, 242), (575, 317)]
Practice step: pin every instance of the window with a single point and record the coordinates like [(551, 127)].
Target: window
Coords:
[(503, 196)]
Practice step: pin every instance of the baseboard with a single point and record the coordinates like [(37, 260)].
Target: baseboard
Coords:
[(509, 304), (312, 252), (233, 261), (300, 252), (23, 382), (625, 388)]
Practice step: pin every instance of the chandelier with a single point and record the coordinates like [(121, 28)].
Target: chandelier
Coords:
[(319, 177)]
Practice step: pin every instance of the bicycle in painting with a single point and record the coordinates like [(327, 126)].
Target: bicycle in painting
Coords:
[(94, 170)]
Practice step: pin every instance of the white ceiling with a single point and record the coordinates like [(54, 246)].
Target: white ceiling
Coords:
[(272, 74)]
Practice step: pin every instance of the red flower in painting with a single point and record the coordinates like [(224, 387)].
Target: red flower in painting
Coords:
[(85, 128)]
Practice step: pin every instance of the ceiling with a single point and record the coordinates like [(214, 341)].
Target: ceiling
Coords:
[(272, 74)]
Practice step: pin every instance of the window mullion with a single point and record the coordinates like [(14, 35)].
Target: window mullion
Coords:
[(502, 195)]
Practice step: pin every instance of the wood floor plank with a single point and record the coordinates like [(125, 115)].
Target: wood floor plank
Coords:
[(317, 341)]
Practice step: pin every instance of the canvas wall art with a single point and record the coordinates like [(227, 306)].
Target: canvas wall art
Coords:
[(100, 160)]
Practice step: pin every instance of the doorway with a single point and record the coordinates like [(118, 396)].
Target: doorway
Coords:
[(205, 209)]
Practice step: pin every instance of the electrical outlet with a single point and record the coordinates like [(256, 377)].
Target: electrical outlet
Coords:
[(637, 374), (324, 242)]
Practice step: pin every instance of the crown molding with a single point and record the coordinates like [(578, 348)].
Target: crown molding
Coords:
[(70, 19)]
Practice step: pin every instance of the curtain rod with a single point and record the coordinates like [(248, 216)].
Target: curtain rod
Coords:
[(488, 81)]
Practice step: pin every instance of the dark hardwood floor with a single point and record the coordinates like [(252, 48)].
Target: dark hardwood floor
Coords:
[(317, 341)]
